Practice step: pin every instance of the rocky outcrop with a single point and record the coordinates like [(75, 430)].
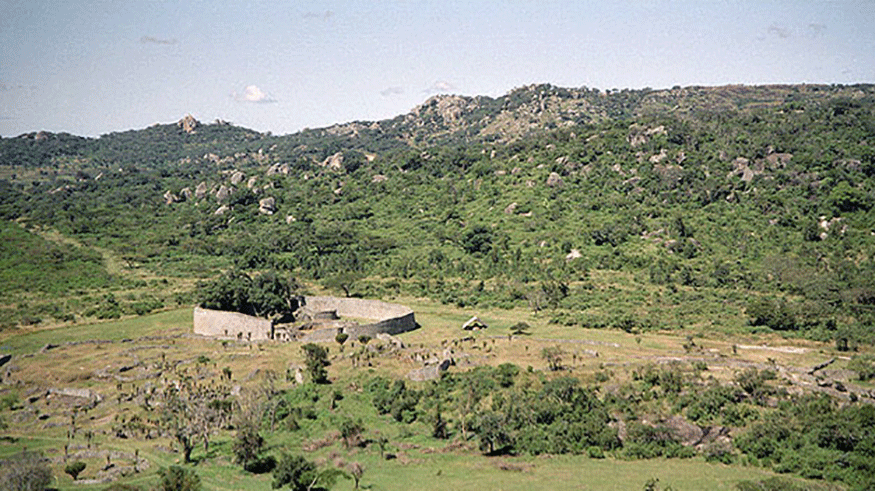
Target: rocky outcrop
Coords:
[(188, 124), (429, 372), (334, 162), (170, 198), (223, 193), (267, 206), (200, 192), (276, 169)]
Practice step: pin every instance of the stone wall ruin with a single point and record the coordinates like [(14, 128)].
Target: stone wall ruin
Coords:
[(320, 312)]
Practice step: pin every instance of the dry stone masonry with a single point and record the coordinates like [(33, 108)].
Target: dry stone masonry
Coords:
[(319, 319)]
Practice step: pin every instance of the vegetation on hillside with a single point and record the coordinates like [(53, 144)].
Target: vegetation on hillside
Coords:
[(705, 211)]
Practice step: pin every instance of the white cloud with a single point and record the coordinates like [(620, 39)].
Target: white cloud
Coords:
[(390, 91), (254, 94), (440, 86), (154, 40)]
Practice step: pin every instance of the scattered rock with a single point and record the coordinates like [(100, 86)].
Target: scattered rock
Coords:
[(221, 210), (223, 193), (510, 208), (379, 178), (278, 169), (334, 162), (200, 192), (267, 206), (170, 198), (574, 254), (554, 180)]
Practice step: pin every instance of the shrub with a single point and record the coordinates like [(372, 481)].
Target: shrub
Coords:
[(25, 472), (74, 469), (176, 478)]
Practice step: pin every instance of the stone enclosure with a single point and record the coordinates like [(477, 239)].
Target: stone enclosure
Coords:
[(319, 319)]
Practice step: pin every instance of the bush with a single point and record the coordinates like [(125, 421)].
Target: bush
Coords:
[(176, 478), (261, 465), (26, 471), (74, 469)]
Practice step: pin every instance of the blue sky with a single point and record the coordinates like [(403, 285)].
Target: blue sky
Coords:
[(92, 67)]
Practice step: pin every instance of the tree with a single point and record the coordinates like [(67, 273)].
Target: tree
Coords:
[(176, 478), (75, 468), (553, 356), (27, 471), (356, 470), (295, 471), (247, 444), (316, 359), (193, 412), (351, 431)]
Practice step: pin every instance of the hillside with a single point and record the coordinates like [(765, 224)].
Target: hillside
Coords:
[(766, 190), (688, 226)]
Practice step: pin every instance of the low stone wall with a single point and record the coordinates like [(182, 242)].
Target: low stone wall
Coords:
[(390, 318), (231, 325)]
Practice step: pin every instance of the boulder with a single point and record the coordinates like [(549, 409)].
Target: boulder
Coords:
[(237, 177), (200, 192), (170, 198), (221, 210), (554, 180), (223, 193), (510, 208), (574, 254), (267, 206), (186, 194), (687, 433), (278, 169), (251, 182), (334, 162), (188, 124)]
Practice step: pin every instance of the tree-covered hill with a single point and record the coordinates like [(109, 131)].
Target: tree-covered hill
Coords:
[(737, 205)]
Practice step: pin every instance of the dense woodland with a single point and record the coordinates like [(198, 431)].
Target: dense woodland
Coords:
[(731, 210)]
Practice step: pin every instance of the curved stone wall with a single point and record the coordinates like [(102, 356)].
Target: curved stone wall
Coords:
[(231, 325), (388, 318)]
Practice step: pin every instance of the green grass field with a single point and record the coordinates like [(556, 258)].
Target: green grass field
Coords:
[(131, 348)]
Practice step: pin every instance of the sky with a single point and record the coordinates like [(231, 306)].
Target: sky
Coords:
[(93, 67)]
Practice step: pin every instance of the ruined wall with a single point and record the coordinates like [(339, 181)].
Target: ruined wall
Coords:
[(231, 325), (390, 318)]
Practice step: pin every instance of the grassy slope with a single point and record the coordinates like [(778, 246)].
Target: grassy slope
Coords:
[(422, 462)]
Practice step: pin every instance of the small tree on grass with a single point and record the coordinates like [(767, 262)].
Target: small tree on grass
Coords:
[(316, 359), (351, 431), (356, 470), (294, 471), (176, 478), (75, 468), (553, 356), (520, 329), (341, 338), (247, 444)]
